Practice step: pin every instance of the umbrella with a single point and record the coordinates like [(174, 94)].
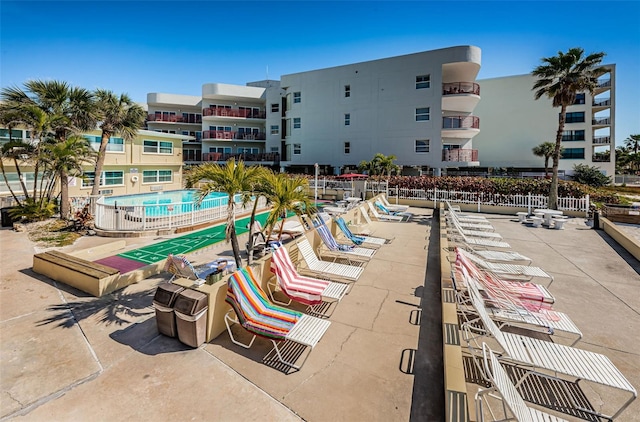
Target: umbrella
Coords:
[(352, 176)]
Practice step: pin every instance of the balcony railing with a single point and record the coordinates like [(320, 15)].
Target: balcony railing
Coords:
[(601, 121), (605, 83), (174, 118), (273, 157), (460, 155), (234, 112), (601, 102), (601, 158), (568, 137), (221, 134), (461, 122), (455, 88), (602, 140)]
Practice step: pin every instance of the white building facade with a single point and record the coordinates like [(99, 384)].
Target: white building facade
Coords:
[(513, 123)]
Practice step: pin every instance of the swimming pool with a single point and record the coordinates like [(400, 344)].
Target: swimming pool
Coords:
[(158, 204)]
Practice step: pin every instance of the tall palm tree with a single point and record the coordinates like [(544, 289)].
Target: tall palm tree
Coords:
[(233, 179), (285, 193), (66, 159), (384, 164), (633, 143), (545, 150), (118, 115), (560, 78)]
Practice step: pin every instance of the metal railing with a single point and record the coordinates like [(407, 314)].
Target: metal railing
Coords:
[(460, 155), (461, 122), (114, 217), (455, 88)]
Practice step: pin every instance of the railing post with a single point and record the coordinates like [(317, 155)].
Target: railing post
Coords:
[(529, 203), (586, 212)]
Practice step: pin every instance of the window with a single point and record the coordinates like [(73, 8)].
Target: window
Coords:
[(579, 98), (297, 123), (157, 176), (347, 119), (347, 147), (222, 150), (572, 153), (423, 81), (157, 147), (275, 107), (274, 149), (109, 178), (297, 149), (573, 135), (275, 129), (244, 150), (575, 117), (422, 145), (422, 114), (114, 144), (347, 91), (297, 97), (16, 134)]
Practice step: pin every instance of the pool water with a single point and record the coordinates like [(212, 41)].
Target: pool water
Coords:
[(165, 203)]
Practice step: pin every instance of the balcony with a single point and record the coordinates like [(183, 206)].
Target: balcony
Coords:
[(603, 85), (233, 112), (601, 121), (266, 158), (460, 97), (457, 88), (602, 140), (601, 102), (460, 155), (460, 126), (239, 136), (601, 158), (173, 118)]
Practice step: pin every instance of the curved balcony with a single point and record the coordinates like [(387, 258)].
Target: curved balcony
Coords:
[(460, 156), (460, 126), (460, 96), (233, 112), (240, 136), (272, 157)]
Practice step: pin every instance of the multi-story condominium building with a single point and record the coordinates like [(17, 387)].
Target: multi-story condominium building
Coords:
[(418, 107), (150, 162), (513, 123)]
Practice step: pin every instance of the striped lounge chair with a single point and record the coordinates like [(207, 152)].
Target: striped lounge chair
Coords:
[(317, 294), (256, 314), (331, 249)]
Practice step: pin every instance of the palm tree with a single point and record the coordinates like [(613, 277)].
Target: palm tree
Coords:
[(384, 164), (546, 150), (65, 159), (118, 115), (285, 193), (233, 179), (633, 143), (560, 78), (53, 108)]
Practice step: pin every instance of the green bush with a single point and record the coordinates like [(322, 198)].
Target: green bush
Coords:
[(33, 211), (591, 176)]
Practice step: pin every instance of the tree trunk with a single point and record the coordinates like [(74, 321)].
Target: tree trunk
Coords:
[(546, 166), (104, 140), (251, 221), (64, 196), (6, 181), (553, 189)]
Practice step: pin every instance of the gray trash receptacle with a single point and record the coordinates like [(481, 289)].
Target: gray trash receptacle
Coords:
[(164, 301), (191, 308)]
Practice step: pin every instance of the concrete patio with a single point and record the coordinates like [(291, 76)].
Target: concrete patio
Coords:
[(67, 356)]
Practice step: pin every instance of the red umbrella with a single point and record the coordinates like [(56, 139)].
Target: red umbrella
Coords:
[(352, 176)]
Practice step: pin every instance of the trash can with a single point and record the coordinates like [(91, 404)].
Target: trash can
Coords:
[(7, 221), (163, 301), (191, 322)]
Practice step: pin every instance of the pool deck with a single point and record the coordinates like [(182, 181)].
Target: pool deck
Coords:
[(66, 356)]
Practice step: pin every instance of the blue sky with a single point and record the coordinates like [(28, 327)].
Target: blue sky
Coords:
[(176, 46)]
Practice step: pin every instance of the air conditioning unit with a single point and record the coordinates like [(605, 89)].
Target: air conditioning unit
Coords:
[(134, 179), (106, 192)]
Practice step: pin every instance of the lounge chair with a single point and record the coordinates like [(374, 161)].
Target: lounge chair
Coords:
[(385, 211), (365, 241), (257, 315), (392, 207), (313, 292), (473, 225), (464, 216), (179, 266), (331, 249), (384, 217), (508, 270), (311, 265), (505, 312), (529, 295), (477, 242), (513, 405), (548, 359), (474, 233), (500, 256)]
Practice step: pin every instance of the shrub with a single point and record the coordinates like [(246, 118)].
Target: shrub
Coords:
[(33, 211), (591, 176)]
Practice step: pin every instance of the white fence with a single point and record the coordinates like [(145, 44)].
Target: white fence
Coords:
[(115, 217), (528, 201)]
